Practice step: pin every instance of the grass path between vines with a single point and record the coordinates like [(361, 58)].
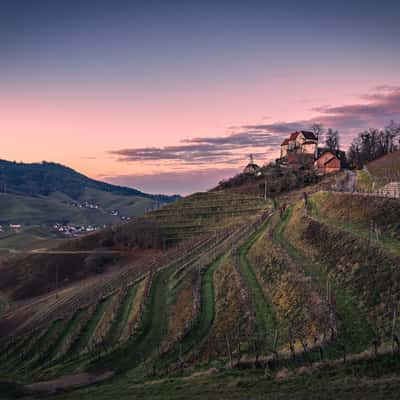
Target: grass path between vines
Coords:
[(355, 333), (203, 324), (265, 316)]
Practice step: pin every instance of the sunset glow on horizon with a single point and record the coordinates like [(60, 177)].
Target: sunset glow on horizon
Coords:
[(171, 99)]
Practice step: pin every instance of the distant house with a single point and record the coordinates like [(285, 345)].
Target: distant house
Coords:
[(327, 163), (301, 142), (251, 168), (300, 150), (15, 226), (284, 148)]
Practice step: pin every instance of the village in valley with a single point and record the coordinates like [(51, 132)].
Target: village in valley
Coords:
[(69, 229)]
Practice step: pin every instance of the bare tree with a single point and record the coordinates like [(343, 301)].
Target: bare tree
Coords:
[(391, 136), (332, 140), (318, 129)]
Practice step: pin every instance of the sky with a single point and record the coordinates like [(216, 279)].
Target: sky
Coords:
[(172, 96)]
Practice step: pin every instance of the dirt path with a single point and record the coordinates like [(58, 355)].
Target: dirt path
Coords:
[(68, 382)]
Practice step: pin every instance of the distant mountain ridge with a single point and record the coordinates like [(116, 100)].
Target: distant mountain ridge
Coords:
[(42, 179)]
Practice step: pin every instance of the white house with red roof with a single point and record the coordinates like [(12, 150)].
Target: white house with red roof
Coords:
[(301, 150), (301, 142)]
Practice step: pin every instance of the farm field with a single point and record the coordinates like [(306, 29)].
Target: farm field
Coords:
[(243, 295)]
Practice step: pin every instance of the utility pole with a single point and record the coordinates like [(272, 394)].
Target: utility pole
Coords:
[(57, 281), (265, 188)]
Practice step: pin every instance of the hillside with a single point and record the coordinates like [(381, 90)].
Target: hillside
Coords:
[(215, 281), (378, 173), (43, 179), (40, 196)]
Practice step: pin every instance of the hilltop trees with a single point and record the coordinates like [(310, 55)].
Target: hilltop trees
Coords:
[(317, 129), (332, 140), (373, 143)]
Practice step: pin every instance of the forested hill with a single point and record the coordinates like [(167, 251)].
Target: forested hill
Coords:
[(42, 179)]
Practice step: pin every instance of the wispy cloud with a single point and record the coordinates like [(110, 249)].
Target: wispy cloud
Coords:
[(182, 182), (227, 153), (205, 150), (380, 106)]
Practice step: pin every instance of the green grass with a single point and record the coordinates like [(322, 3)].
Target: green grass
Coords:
[(364, 181), (149, 333), (122, 316), (203, 324), (38, 214), (69, 330), (387, 242), (265, 316), (355, 332), (37, 349), (88, 330), (351, 381)]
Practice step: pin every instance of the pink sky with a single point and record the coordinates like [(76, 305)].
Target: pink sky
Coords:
[(107, 89), (79, 128)]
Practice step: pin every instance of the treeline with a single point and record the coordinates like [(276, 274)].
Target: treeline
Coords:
[(43, 179), (373, 143)]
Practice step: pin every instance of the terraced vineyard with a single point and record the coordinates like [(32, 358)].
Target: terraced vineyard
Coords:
[(206, 213), (242, 282)]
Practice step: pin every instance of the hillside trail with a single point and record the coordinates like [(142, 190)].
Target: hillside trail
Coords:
[(354, 330), (265, 315), (350, 182)]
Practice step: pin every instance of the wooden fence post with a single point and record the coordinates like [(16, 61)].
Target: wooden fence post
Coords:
[(229, 348), (291, 344), (376, 342), (275, 347), (394, 330)]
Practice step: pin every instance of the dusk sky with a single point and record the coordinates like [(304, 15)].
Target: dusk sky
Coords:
[(172, 96)]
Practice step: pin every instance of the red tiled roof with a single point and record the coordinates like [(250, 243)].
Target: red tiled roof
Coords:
[(293, 136)]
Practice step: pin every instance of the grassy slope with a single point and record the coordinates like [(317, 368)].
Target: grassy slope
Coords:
[(122, 316), (355, 227), (127, 205), (150, 332), (364, 181), (265, 318), (48, 210), (233, 385), (29, 238), (88, 330), (202, 325), (386, 168), (353, 381), (36, 214), (354, 333)]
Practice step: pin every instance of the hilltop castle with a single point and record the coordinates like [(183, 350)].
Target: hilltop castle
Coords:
[(302, 142), (301, 149)]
